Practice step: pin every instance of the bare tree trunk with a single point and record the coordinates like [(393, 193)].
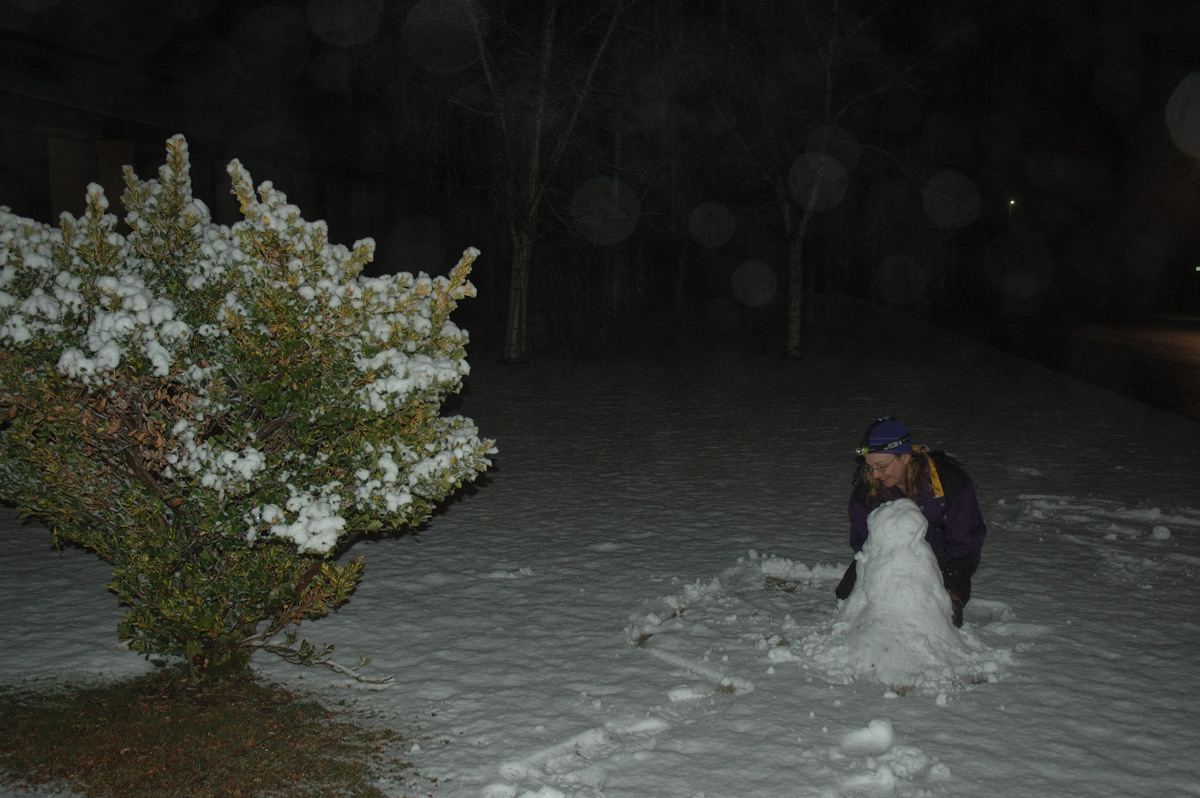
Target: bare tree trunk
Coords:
[(799, 310), (795, 316), (518, 297)]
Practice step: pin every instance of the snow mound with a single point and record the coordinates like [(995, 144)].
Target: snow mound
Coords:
[(896, 626)]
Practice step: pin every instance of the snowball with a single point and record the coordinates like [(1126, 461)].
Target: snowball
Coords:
[(876, 738), (1160, 532), (878, 784)]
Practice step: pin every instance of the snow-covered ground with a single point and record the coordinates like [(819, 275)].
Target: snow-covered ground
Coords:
[(637, 600)]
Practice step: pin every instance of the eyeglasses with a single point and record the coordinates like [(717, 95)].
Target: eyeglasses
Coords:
[(878, 468)]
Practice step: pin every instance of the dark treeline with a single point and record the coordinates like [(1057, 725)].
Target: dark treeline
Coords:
[(965, 162), (670, 155), (996, 166)]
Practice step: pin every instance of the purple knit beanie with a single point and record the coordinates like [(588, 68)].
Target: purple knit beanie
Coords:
[(886, 436)]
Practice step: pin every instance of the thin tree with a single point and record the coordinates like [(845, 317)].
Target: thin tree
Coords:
[(528, 87), (803, 120)]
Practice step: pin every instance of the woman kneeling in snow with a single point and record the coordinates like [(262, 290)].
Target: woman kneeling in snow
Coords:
[(894, 468)]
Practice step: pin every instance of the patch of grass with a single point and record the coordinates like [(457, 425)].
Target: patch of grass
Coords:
[(159, 736), (777, 584)]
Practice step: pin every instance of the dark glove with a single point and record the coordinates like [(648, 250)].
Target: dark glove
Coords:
[(956, 576), (847, 584)]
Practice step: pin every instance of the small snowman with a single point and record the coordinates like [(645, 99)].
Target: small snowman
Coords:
[(897, 622)]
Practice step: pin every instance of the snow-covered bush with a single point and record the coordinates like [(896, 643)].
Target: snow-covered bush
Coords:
[(219, 411)]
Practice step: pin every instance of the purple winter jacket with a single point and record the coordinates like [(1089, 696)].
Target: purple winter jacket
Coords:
[(956, 528)]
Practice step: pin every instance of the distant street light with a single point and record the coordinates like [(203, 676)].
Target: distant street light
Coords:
[(1012, 203)]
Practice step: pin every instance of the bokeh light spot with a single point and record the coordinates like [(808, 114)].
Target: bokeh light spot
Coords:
[(951, 200), (754, 283), (439, 35), (605, 210), (836, 141), (1018, 264), (1183, 115), (817, 181), (712, 224), (345, 22)]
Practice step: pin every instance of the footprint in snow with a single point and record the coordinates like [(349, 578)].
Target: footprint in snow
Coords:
[(581, 759)]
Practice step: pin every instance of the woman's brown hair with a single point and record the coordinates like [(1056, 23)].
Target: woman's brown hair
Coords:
[(917, 477)]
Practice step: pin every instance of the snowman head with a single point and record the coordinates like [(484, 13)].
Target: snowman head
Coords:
[(896, 523)]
